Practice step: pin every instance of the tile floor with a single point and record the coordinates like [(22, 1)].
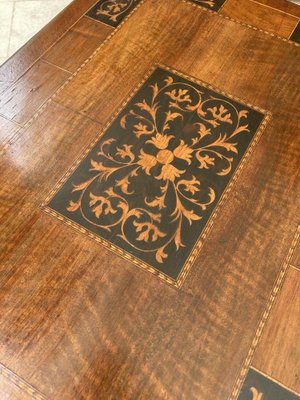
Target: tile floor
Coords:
[(22, 19)]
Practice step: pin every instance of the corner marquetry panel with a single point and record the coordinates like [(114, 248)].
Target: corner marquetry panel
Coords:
[(213, 5), (149, 187), (260, 387), (112, 12), (295, 36)]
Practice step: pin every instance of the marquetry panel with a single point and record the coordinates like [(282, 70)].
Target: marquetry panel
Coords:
[(258, 386), (214, 5), (112, 12), (22, 99), (260, 16), (77, 44), (295, 36), (150, 185), (278, 352), (77, 320)]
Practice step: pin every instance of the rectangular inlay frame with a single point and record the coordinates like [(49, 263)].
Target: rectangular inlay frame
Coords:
[(197, 246)]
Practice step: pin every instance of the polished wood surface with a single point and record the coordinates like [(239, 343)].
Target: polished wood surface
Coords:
[(295, 261), (283, 5), (80, 322), (7, 129), (278, 353), (78, 44), (46, 38), (12, 387), (268, 19), (21, 100)]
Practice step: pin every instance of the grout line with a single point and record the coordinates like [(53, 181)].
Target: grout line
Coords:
[(274, 380), (21, 383), (275, 291)]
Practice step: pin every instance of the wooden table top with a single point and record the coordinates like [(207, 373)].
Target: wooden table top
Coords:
[(150, 203)]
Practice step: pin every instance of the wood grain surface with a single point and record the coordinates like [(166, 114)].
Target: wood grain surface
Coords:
[(295, 261), (22, 99), (34, 49), (12, 387), (283, 5), (265, 18), (278, 353), (80, 322), (7, 129), (85, 35)]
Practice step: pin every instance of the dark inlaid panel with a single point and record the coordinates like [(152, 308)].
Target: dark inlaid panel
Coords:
[(112, 12), (149, 186), (214, 5), (259, 387), (295, 36)]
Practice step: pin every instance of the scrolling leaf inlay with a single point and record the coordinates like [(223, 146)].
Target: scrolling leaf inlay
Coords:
[(262, 387), (112, 12), (152, 182)]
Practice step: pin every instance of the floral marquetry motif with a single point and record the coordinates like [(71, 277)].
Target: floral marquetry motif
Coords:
[(214, 5), (112, 12), (260, 387), (150, 185)]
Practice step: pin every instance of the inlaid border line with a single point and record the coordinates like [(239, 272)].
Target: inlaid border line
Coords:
[(295, 267), (275, 291), (21, 383), (41, 109), (110, 246), (219, 10), (219, 14), (270, 378), (51, 45), (198, 245), (115, 30), (273, 8)]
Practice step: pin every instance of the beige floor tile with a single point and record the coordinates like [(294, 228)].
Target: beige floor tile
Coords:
[(29, 17), (6, 12), (20, 20)]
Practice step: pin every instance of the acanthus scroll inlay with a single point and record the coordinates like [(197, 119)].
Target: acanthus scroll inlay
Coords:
[(150, 185)]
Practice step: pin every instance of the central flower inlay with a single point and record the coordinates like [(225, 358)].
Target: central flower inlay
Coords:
[(165, 157), (150, 184)]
